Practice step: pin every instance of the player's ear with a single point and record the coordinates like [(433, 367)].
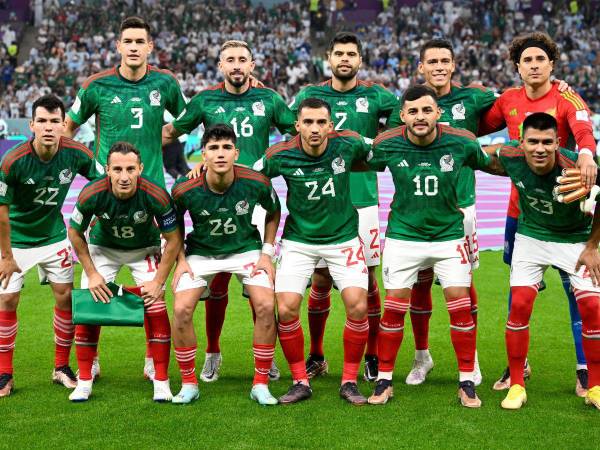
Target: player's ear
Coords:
[(237, 154), (150, 45), (141, 167), (297, 126), (420, 68)]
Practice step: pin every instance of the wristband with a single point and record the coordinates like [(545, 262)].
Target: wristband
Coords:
[(586, 151), (268, 249)]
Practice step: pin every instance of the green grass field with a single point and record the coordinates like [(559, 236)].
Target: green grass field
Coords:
[(121, 413)]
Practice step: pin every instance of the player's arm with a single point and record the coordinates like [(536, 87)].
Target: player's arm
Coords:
[(270, 202), (284, 118), (70, 127), (394, 119), (8, 265), (485, 159), (169, 134), (181, 265), (389, 104), (83, 108), (589, 256), (189, 118), (492, 120)]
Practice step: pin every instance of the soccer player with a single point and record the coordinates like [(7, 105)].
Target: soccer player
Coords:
[(224, 239), (461, 107), (425, 229), (251, 111), (550, 233), (322, 224), (125, 204), (34, 181), (358, 106), (534, 56)]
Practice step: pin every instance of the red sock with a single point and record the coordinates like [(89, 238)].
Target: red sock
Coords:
[(160, 338), (86, 343), (319, 303), (391, 331), (186, 359), (147, 330), (517, 331), (263, 357), (8, 334), (356, 333), (420, 309), (291, 338), (474, 300), (462, 332), (589, 308), (374, 311), (64, 332), (215, 311)]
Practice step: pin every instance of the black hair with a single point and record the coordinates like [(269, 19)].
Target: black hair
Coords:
[(123, 148), (540, 121), (50, 102), (345, 37), (218, 132), (135, 22), (314, 103), (417, 91), (436, 43)]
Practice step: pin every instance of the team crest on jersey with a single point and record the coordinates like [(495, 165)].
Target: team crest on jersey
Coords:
[(362, 105), (447, 163), (65, 176), (140, 217), (3, 188), (338, 165), (242, 207), (458, 111), (155, 98), (258, 108)]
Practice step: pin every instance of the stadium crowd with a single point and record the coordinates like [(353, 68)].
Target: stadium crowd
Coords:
[(76, 39)]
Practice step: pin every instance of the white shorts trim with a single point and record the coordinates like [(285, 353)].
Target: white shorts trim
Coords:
[(470, 225)]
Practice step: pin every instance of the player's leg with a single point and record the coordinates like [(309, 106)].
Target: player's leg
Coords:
[(319, 303), (8, 334), (215, 307), (589, 307)]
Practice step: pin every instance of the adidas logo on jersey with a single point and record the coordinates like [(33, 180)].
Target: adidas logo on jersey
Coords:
[(204, 213), (30, 181), (116, 99), (403, 163), (220, 110), (298, 172), (520, 184), (105, 216)]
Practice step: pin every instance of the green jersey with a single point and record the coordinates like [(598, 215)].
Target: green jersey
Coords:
[(425, 204), (223, 222), (318, 199), (251, 115), (124, 224), (542, 217), (359, 110), (35, 190), (462, 108), (130, 111)]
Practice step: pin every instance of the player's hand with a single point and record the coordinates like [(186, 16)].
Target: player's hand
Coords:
[(265, 264), (98, 288), (181, 268), (196, 171), (591, 260), (563, 86), (151, 291), (8, 266), (255, 82), (589, 169)]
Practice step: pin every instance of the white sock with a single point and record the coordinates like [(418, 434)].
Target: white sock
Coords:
[(581, 366), (422, 355), (384, 376), (465, 376)]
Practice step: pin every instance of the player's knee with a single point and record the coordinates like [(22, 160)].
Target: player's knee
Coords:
[(182, 315), (9, 302), (264, 309), (589, 309), (520, 311), (286, 311)]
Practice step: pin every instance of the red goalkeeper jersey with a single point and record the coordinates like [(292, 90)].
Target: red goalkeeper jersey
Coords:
[(571, 113)]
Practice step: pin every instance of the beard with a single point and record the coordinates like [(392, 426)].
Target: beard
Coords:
[(237, 83), (344, 76), (427, 132)]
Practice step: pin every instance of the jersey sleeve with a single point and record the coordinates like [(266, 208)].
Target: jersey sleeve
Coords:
[(7, 187), (362, 148), (83, 212), (493, 119), (376, 158), (476, 158), (267, 166), (296, 101), (579, 116), (269, 200), (190, 117), (179, 200), (283, 117), (89, 167), (84, 106), (485, 98), (389, 103), (394, 120), (176, 101), (165, 214)]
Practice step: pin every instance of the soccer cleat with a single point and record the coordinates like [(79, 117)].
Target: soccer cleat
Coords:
[(593, 397), (419, 371), (188, 393), (467, 395), (7, 384), (503, 382), (65, 376), (95, 370), (296, 393), (274, 373), (260, 393), (581, 385), (515, 398), (383, 392), (316, 365), (212, 365), (82, 391), (149, 371), (162, 391), (349, 392), (371, 367)]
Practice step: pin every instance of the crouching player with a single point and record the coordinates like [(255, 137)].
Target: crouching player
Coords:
[(550, 233), (224, 240), (125, 205)]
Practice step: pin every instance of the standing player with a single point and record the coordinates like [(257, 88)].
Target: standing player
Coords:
[(251, 111), (358, 106), (322, 224), (125, 205), (221, 200), (34, 181), (550, 233), (461, 107), (425, 229), (534, 56)]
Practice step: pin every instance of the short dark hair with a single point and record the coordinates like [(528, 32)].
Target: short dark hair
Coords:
[(123, 148), (345, 37), (50, 102), (536, 39), (135, 22), (540, 121), (417, 91), (313, 103), (217, 132), (436, 43)]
